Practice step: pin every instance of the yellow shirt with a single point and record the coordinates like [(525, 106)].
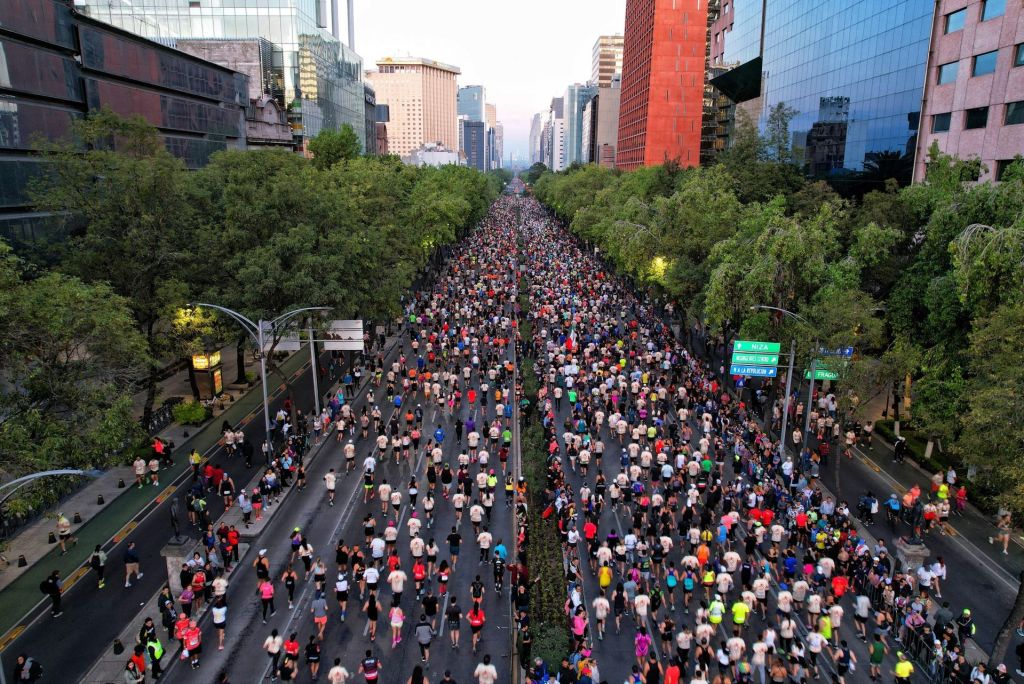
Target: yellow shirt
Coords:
[(740, 612), (904, 669)]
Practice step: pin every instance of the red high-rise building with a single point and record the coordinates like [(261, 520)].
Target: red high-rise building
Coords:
[(663, 72)]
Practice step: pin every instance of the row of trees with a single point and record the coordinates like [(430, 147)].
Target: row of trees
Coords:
[(925, 281), (92, 320)]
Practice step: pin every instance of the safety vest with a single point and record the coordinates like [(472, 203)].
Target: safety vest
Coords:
[(715, 611), (156, 647), (604, 576)]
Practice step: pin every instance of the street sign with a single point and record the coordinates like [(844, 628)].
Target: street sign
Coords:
[(756, 347), (754, 371), (755, 359), (844, 352), (821, 374)]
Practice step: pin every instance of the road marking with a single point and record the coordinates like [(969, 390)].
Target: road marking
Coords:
[(75, 576), (162, 496), (11, 635), (125, 531)]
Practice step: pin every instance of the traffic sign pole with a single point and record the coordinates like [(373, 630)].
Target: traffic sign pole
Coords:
[(785, 401), (810, 398)]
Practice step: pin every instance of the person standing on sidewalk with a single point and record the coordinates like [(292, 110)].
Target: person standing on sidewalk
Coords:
[(131, 564), (98, 562)]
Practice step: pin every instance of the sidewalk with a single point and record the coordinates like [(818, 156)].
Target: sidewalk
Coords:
[(109, 524)]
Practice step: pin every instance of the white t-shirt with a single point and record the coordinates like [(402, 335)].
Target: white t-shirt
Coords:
[(486, 674)]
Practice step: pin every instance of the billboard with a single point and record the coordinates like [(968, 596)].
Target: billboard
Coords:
[(344, 336)]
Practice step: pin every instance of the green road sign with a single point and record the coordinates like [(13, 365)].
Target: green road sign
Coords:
[(821, 374), (755, 359), (756, 347)]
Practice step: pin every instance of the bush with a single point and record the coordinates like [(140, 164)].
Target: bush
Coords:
[(190, 413)]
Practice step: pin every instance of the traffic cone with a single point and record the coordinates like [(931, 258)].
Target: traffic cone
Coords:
[(120, 484), (78, 518), (22, 563), (99, 500), (52, 539)]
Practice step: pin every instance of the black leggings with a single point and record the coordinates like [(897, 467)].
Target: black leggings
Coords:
[(268, 603)]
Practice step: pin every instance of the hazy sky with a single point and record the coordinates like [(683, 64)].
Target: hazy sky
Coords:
[(523, 52)]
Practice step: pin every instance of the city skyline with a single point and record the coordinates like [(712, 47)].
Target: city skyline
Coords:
[(519, 83)]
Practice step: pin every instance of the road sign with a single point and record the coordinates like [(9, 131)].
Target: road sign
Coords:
[(755, 359), (344, 336), (845, 352), (756, 346), (821, 374), (755, 371)]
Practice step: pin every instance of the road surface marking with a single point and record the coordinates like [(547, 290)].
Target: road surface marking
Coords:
[(125, 531), (75, 576), (11, 635), (162, 496)]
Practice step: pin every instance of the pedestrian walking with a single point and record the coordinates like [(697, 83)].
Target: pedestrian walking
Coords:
[(131, 564)]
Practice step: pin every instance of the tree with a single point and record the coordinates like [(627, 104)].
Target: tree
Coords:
[(70, 357), (531, 175), (992, 437), (777, 142), (129, 201), (332, 146)]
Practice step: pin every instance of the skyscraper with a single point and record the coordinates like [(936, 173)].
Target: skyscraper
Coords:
[(471, 102), (536, 128), (421, 95), (321, 77), (607, 59), (491, 118), (662, 102), (499, 145), (576, 99), (474, 141), (554, 133)]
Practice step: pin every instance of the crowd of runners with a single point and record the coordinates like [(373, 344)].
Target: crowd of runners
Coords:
[(694, 550)]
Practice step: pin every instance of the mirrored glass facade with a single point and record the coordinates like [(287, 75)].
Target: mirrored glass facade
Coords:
[(323, 83), (854, 72)]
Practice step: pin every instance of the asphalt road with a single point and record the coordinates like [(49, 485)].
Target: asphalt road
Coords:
[(243, 658), (68, 645)]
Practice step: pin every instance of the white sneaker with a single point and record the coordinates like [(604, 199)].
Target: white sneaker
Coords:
[(139, 575)]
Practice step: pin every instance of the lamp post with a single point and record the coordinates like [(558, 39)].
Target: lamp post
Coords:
[(20, 482), (789, 375), (257, 331)]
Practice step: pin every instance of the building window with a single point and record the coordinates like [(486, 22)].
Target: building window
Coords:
[(984, 63), (1014, 113), (955, 20), (1018, 55), (990, 9), (1002, 165), (976, 118), (947, 72), (940, 122)]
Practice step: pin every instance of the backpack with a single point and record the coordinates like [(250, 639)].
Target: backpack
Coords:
[(45, 587)]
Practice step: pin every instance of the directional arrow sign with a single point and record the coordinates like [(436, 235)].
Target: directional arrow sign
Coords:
[(845, 352), (756, 346), (754, 371), (755, 359)]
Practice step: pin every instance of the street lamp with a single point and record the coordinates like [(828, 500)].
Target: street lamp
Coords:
[(20, 482), (257, 333), (789, 374)]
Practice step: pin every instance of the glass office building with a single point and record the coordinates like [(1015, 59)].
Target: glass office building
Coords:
[(853, 71), (323, 78)]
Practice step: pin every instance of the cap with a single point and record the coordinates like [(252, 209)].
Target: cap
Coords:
[(263, 552)]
